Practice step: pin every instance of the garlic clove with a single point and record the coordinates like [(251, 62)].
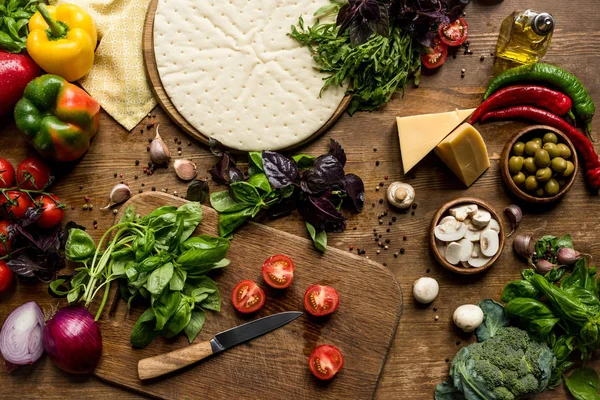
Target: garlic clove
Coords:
[(159, 151), (118, 194), (524, 246), (185, 169), (515, 215)]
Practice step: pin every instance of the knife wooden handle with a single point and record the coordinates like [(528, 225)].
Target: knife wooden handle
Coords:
[(162, 364)]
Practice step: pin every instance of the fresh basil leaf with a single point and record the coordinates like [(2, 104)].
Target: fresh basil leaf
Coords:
[(193, 328), (79, 279), (322, 214), (519, 289), (167, 237), (128, 215), (212, 302), (159, 279), (304, 161), (178, 280), (143, 332), (138, 280), (204, 242), (260, 182), (131, 273), (245, 192), (125, 252), (279, 169), (80, 246), (494, 319), (255, 163), (198, 190), (73, 295), (164, 307), (565, 241), (9, 44), (143, 245), (555, 274), (228, 222), (319, 239), (223, 202), (192, 216), (55, 286), (533, 315), (197, 271), (197, 258), (121, 265), (202, 286), (583, 384), (179, 320), (528, 273), (157, 213), (153, 262)]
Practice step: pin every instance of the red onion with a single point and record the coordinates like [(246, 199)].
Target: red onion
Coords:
[(21, 335), (72, 340)]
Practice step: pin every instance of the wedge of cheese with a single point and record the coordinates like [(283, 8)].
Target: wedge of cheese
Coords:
[(419, 134), (465, 153)]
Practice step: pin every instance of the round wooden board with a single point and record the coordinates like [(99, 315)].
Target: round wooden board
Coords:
[(165, 102)]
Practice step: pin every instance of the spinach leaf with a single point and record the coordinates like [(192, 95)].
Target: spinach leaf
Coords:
[(319, 239), (224, 203), (245, 193), (164, 307), (80, 246), (304, 161), (159, 279), (198, 191), (143, 245), (583, 384), (494, 319), (534, 316), (228, 222), (179, 320), (516, 289), (128, 215), (280, 170), (193, 328), (191, 213), (178, 279), (143, 331), (260, 182)]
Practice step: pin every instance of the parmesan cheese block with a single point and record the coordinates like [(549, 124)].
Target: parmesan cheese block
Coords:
[(233, 73), (419, 134), (465, 153)]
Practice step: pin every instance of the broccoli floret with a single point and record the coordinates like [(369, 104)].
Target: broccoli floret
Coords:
[(502, 393)]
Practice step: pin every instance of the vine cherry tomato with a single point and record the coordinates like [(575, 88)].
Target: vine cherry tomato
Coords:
[(6, 276), (16, 204), (33, 174), (52, 212), (7, 174), (5, 241), (247, 297), (278, 271), (454, 33), (325, 361), (321, 300), (436, 55)]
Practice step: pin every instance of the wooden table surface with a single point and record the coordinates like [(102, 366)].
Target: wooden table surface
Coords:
[(416, 362)]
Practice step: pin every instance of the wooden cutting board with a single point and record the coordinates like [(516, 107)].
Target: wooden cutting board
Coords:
[(273, 366), (165, 102)]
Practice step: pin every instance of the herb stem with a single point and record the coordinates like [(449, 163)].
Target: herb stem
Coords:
[(104, 299)]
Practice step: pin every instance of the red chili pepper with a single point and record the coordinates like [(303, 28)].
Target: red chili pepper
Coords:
[(539, 96), (583, 145)]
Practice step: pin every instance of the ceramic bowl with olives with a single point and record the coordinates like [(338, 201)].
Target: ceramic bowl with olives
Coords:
[(539, 164)]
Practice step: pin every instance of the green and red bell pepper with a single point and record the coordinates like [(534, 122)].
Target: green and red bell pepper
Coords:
[(58, 118)]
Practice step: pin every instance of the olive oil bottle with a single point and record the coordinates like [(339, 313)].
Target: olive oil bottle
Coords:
[(525, 36)]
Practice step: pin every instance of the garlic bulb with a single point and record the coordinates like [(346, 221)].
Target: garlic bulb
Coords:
[(185, 170), (159, 151), (118, 194)]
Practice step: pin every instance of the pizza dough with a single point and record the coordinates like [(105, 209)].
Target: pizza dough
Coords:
[(233, 73)]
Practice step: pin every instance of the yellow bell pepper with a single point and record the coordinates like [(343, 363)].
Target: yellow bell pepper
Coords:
[(62, 40)]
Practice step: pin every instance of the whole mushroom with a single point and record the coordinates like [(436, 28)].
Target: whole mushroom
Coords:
[(425, 290), (468, 317), (400, 195)]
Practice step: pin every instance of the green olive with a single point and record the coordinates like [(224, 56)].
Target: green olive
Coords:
[(569, 170), (550, 137), (561, 182), (540, 192), (565, 152), (558, 165), (519, 179), (543, 175), (518, 148), (552, 149), (542, 158), (531, 147), (552, 187), (531, 183), (529, 165), (515, 164), (538, 141)]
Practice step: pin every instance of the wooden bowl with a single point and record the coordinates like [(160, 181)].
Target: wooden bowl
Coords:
[(524, 136), (443, 212)]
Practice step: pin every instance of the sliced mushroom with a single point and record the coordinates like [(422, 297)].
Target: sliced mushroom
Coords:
[(477, 262), (476, 252), (494, 225), (473, 233), (463, 212), (448, 219), (489, 243), (441, 246), (481, 218), (466, 249), (451, 230), (453, 253)]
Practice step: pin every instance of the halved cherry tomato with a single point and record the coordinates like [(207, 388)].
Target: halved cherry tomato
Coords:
[(321, 300), (5, 240), (52, 212), (33, 174), (435, 55), (454, 33), (247, 297), (7, 174), (325, 361), (278, 271), (6, 276), (16, 204)]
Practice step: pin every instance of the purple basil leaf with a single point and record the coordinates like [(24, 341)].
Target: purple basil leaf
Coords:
[(31, 215), (369, 10), (344, 17), (235, 175), (280, 170), (359, 31), (283, 208), (326, 172), (381, 25), (23, 266), (322, 214), (336, 150), (355, 189), (216, 147)]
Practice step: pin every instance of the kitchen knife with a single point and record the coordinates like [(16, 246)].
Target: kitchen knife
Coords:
[(156, 366)]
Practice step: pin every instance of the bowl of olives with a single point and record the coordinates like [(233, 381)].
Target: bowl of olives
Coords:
[(539, 164)]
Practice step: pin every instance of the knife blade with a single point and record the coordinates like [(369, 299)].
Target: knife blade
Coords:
[(153, 367)]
